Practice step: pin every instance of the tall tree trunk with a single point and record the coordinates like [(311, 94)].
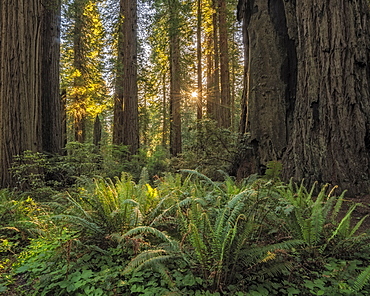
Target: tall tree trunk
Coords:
[(307, 89), (130, 112), (50, 93), (225, 106), (78, 96), (126, 104), (164, 112), (20, 72), (216, 93), (175, 81), (199, 61), (211, 104)]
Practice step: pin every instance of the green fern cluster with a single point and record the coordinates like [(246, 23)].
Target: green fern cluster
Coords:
[(223, 235), (314, 219), (220, 226), (106, 207)]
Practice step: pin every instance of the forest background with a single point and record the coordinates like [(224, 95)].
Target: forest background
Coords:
[(146, 147)]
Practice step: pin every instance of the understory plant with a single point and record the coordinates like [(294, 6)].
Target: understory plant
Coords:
[(189, 235), (104, 207), (315, 220), (220, 229)]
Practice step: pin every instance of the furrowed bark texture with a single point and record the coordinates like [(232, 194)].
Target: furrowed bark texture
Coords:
[(126, 116), (52, 138), (20, 120), (307, 90), (130, 111), (330, 140)]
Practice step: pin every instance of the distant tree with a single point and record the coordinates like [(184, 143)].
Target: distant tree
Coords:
[(199, 62), (307, 90), (83, 65), (225, 103), (175, 78)]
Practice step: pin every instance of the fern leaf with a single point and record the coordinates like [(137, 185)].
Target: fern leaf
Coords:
[(362, 280), (204, 177), (357, 226), (153, 231), (337, 207), (146, 259), (343, 224)]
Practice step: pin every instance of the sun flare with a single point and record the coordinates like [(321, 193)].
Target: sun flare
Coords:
[(194, 94)]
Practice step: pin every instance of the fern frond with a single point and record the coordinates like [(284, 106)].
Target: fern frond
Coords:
[(357, 226), (78, 221), (146, 259), (344, 224), (362, 280), (337, 207), (197, 242), (155, 232), (201, 176)]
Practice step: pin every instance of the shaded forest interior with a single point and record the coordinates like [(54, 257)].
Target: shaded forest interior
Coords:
[(184, 147)]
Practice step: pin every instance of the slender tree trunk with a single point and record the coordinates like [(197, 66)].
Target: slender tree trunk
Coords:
[(20, 88), (164, 112), (78, 96), (50, 92), (97, 133), (225, 115), (308, 88), (175, 77), (211, 108), (199, 61), (126, 104), (216, 68)]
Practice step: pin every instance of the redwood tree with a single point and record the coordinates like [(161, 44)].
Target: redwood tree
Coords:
[(175, 79), (126, 114), (51, 104), (225, 108), (28, 53), (307, 90)]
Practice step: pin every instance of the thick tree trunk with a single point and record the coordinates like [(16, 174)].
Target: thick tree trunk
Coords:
[(270, 66), (20, 72), (307, 89), (50, 93), (130, 112), (126, 115), (331, 136)]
